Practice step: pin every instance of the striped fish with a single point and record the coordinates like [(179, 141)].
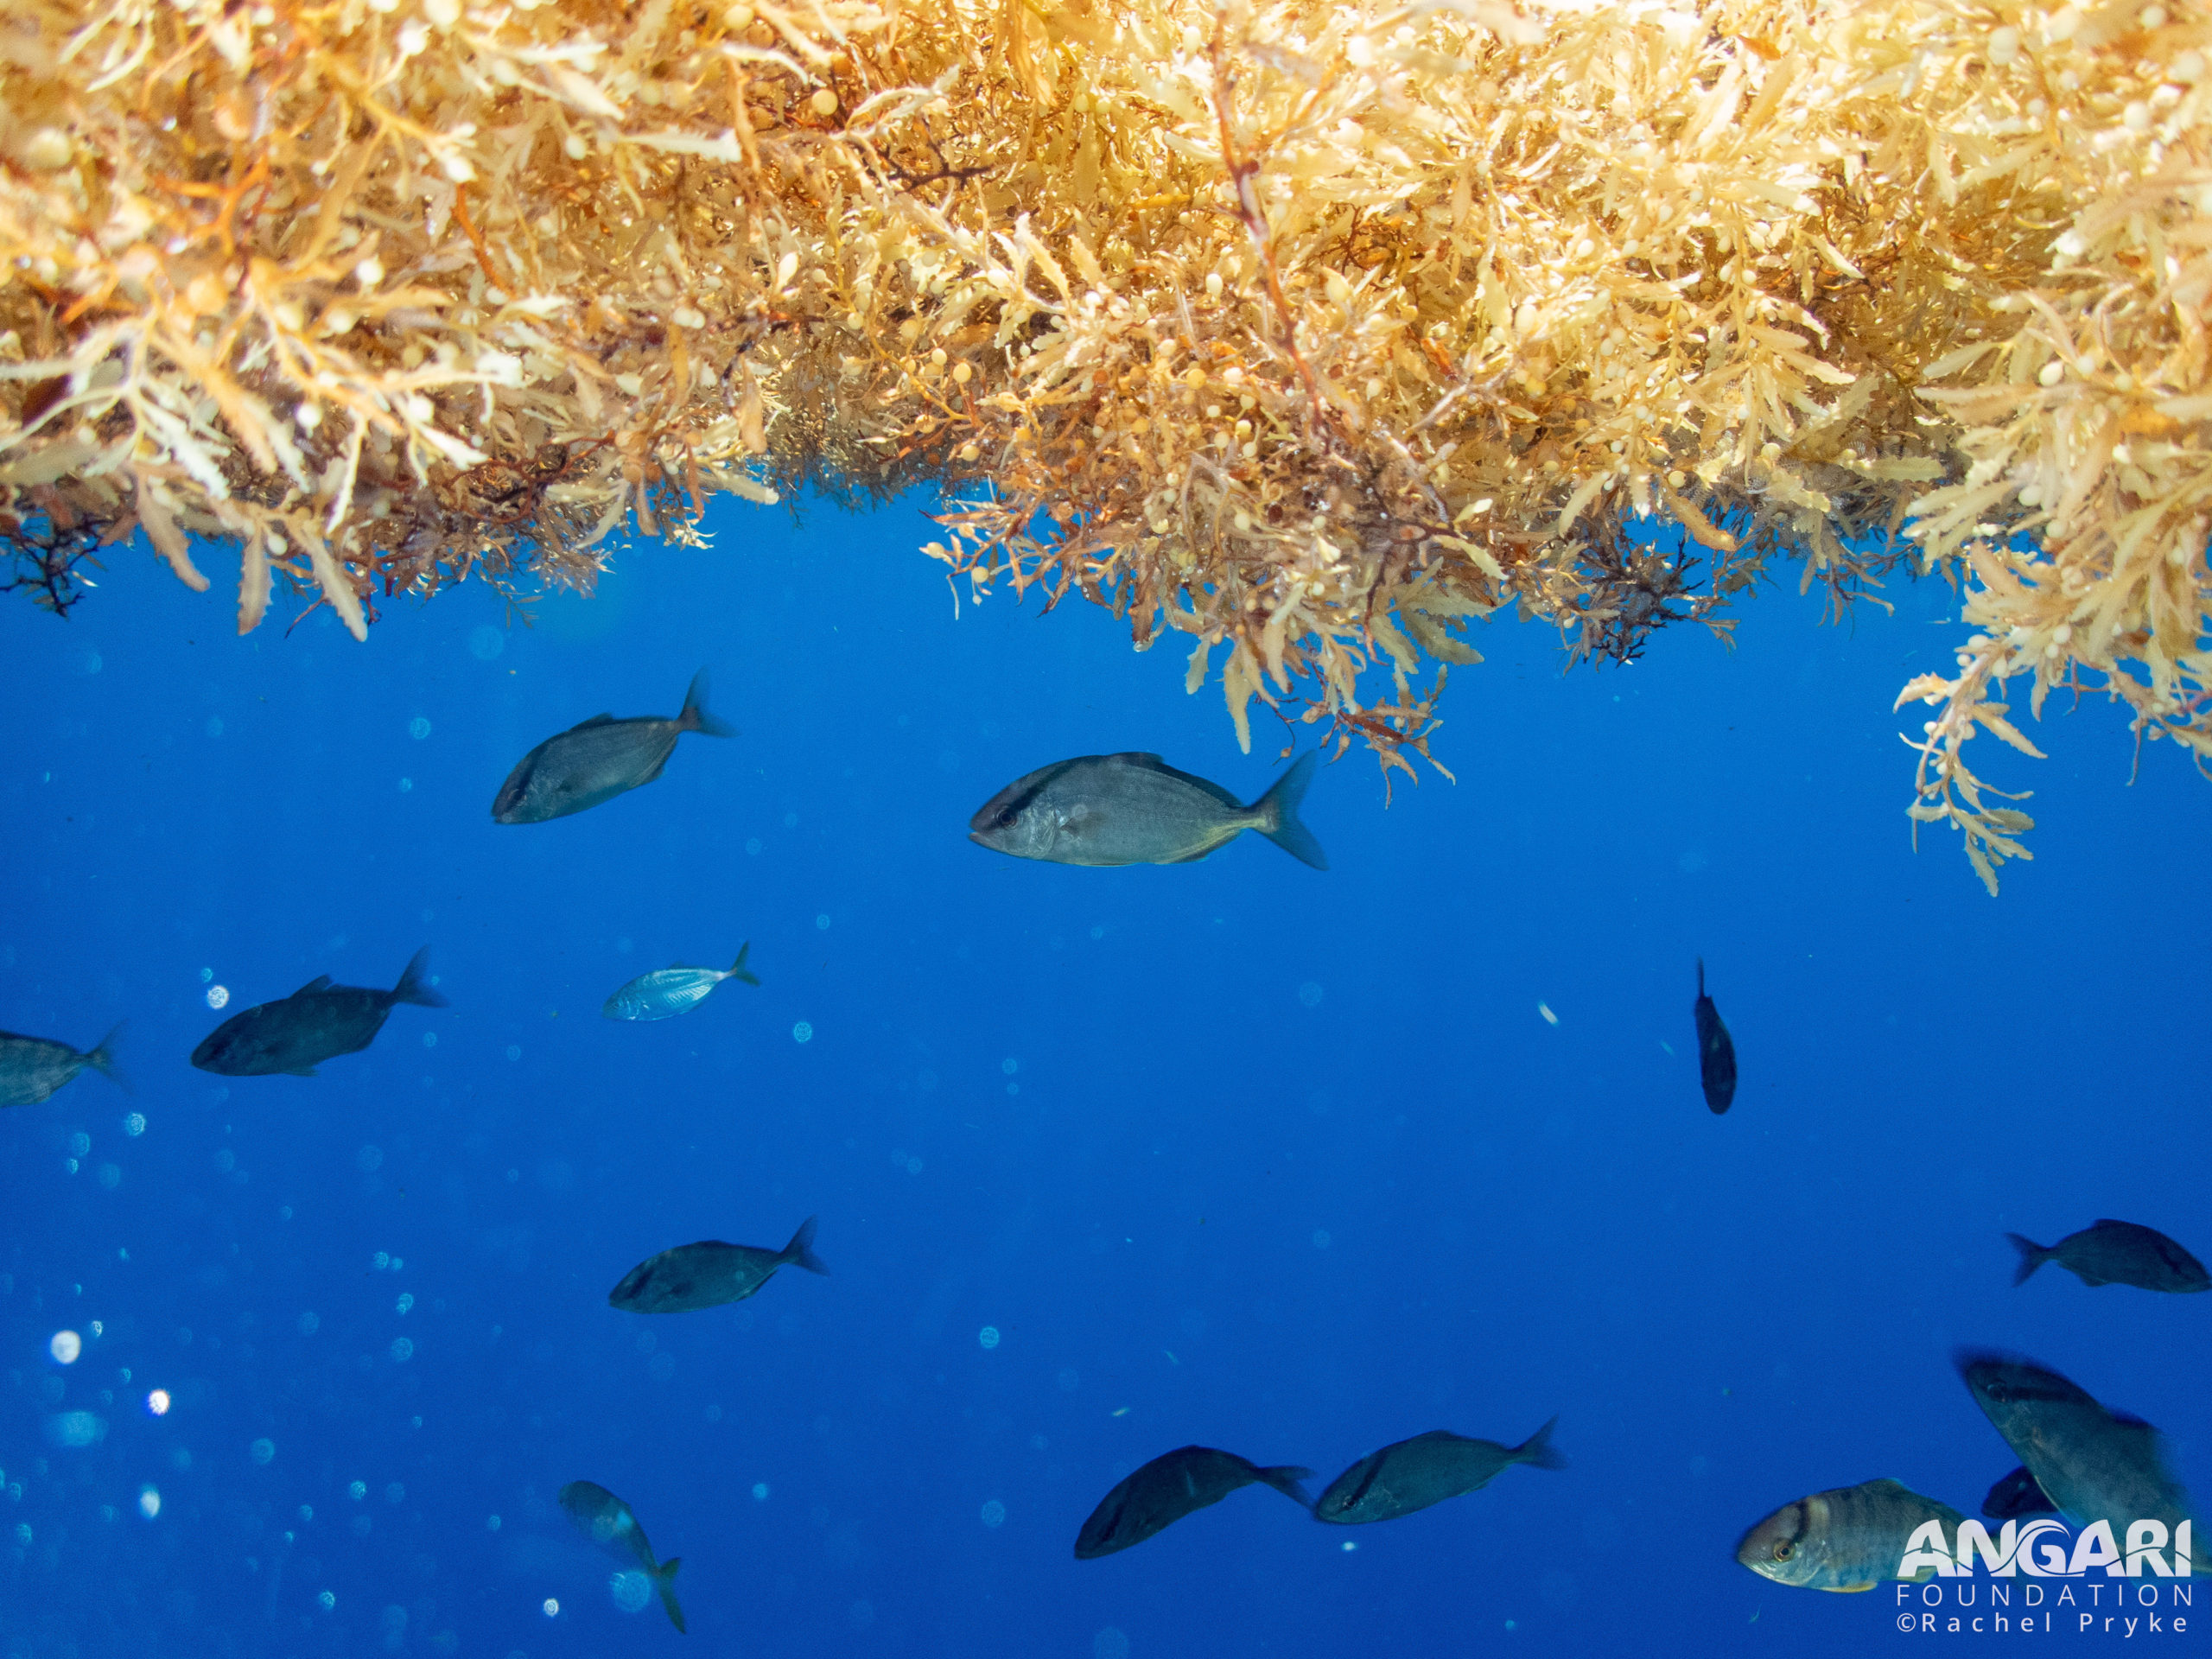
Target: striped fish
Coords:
[(667, 992)]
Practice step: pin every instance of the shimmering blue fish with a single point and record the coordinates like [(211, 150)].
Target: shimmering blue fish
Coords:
[(666, 992)]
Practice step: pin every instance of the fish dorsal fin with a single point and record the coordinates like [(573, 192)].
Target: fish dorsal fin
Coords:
[(320, 983), (596, 720), (1885, 1484), (2105, 1222), (1138, 758)]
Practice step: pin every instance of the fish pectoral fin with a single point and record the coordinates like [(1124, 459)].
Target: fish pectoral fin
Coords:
[(1848, 1589)]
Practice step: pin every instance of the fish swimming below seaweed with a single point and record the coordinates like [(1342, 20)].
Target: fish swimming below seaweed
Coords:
[(32, 1068), (1716, 1050), (1174, 1484), (1849, 1539), (709, 1273), (612, 1525), (2116, 1253), (2015, 1496), (1412, 1474), (666, 992), (317, 1022), (1109, 809), (605, 756), (2093, 1464)]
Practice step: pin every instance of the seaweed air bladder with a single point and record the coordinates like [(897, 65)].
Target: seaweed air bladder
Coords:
[(1310, 332)]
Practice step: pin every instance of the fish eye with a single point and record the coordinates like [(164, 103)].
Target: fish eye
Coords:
[(1006, 815), (1784, 1550)]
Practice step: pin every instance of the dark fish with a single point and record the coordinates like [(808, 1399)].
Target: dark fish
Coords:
[(2092, 1465), (31, 1068), (1426, 1470), (600, 759), (666, 992), (709, 1273), (1170, 1486), (610, 1524), (1849, 1539), (315, 1023), (2015, 1496), (1716, 1054), (2116, 1253), (1136, 808)]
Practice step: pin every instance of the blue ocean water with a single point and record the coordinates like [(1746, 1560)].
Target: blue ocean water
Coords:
[(1236, 1152)]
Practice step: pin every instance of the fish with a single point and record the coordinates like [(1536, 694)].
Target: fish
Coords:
[(2015, 1496), (315, 1023), (613, 1527), (1106, 809), (1174, 1484), (1428, 1469), (1716, 1052), (1847, 1539), (2116, 1253), (709, 1274), (666, 992), (2093, 1465), (602, 758), (32, 1068)]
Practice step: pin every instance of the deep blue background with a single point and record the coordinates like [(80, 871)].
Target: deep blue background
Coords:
[(1234, 1153)]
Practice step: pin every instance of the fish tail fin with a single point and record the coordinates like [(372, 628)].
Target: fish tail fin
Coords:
[(1284, 1477), (2032, 1255), (102, 1058), (695, 717), (739, 971), (664, 1581), (415, 984), (1537, 1451), (800, 1251), (1278, 813)]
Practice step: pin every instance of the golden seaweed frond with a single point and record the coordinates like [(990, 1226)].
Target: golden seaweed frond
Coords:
[(1316, 333)]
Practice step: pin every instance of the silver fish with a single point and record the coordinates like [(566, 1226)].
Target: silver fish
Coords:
[(1170, 1486), (709, 1274), (1104, 810), (315, 1023), (1428, 1469), (1849, 1539), (666, 992), (2093, 1465), (32, 1068), (600, 759), (2116, 1253), (611, 1524)]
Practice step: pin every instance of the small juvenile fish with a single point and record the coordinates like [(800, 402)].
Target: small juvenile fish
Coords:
[(1104, 810), (1170, 1486), (609, 1523), (666, 992), (600, 759), (2116, 1253), (1716, 1054), (1849, 1539), (2016, 1497), (1428, 1469), (2092, 1465), (315, 1023), (707, 1275), (32, 1068)]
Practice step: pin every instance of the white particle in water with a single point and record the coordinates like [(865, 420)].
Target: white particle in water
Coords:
[(134, 1124), (988, 1336), (486, 642), (262, 1450), (631, 1591), (418, 728), (994, 1513), (801, 1032), (218, 995), (402, 1350), (759, 1491)]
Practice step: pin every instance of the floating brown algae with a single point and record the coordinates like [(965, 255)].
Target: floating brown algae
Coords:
[(1312, 332)]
